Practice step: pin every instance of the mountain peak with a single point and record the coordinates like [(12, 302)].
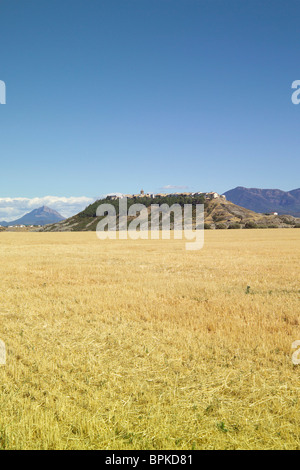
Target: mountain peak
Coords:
[(41, 216)]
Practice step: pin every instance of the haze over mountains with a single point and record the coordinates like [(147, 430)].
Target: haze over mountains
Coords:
[(41, 216), (266, 200)]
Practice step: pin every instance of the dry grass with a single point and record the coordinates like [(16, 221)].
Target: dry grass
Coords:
[(143, 345)]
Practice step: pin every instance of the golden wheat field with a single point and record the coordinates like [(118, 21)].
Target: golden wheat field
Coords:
[(144, 345)]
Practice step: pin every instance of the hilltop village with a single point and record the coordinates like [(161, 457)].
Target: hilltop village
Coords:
[(209, 196)]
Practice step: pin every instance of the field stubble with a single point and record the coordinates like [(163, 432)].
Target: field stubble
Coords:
[(143, 345)]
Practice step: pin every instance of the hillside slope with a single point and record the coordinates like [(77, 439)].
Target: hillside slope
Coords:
[(219, 213)]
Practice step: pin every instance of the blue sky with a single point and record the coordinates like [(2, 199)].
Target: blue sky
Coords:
[(119, 95)]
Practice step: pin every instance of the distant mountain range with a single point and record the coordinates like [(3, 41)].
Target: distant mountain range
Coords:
[(266, 200), (41, 216)]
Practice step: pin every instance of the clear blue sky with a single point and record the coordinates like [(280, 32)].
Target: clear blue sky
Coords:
[(119, 95)]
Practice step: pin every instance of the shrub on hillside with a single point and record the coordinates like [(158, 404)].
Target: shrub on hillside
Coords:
[(251, 225), (217, 217)]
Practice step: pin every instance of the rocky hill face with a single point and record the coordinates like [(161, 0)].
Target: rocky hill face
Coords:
[(219, 213), (266, 200), (225, 214)]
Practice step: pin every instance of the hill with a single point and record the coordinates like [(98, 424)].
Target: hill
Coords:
[(266, 200), (41, 216), (219, 213)]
